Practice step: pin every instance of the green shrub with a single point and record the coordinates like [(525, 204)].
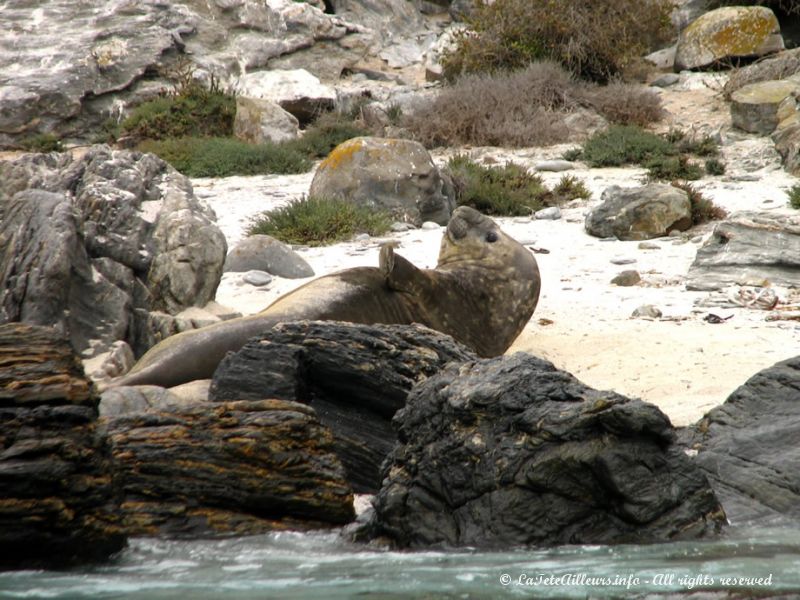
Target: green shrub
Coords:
[(191, 110), (595, 40), (42, 142), (523, 108), (794, 196), (673, 167), (509, 190), (625, 144), (703, 209), (715, 167), (328, 131), (569, 188), (319, 221), (222, 157)]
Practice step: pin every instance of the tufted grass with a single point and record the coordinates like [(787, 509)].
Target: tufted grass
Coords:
[(223, 157), (315, 221), (703, 209), (509, 190)]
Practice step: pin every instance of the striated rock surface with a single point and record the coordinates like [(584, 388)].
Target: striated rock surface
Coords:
[(640, 213), (748, 447), (92, 245), (355, 376), (58, 501), (512, 451), (748, 249), (233, 467), (728, 33), (393, 174)]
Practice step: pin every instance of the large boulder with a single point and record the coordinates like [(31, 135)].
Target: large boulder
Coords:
[(748, 447), (355, 376), (393, 174), (728, 33), (92, 245), (59, 500), (748, 249), (296, 91), (512, 451), (760, 107), (640, 213), (260, 121), (234, 467)]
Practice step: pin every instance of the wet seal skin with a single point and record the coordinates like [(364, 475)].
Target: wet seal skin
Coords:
[(482, 292)]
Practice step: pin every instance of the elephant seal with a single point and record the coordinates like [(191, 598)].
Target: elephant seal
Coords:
[(482, 292)]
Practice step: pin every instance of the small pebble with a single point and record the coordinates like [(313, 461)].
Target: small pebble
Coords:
[(627, 278), (555, 166), (430, 225), (649, 246), (666, 80), (257, 278), (400, 227), (622, 261), (647, 310), (362, 237)]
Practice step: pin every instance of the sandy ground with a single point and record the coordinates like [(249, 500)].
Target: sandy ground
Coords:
[(583, 323)]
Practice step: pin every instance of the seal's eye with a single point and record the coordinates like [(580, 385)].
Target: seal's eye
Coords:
[(492, 237)]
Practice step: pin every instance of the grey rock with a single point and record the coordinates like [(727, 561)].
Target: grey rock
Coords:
[(647, 311), (551, 213), (623, 261), (648, 246), (627, 278), (355, 376), (687, 11), (396, 175), (747, 447), (746, 249), (265, 253), (555, 166), (729, 32), (511, 451), (666, 80), (759, 107), (115, 402), (640, 213), (787, 143), (90, 242), (400, 227), (296, 91), (257, 278), (430, 226), (259, 121)]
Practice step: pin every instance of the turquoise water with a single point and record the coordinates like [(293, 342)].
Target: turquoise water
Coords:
[(320, 566)]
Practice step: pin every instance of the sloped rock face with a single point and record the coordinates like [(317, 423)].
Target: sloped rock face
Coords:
[(728, 33), (355, 376), (92, 245), (58, 501), (511, 451), (640, 213), (748, 249), (234, 467), (759, 107), (748, 447), (393, 174)]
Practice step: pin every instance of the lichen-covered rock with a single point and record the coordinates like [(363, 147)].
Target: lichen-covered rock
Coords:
[(86, 243), (59, 503), (640, 213), (259, 121), (355, 376), (511, 451), (728, 33), (396, 175), (748, 249), (759, 107), (748, 447), (234, 467)]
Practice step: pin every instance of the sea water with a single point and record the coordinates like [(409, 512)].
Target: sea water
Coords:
[(322, 566)]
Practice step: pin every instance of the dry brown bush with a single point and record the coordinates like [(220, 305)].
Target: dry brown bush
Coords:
[(523, 108)]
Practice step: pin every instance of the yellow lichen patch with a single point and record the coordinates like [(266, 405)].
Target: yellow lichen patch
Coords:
[(342, 153), (745, 35)]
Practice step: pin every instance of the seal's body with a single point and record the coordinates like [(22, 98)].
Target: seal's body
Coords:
[(482, 292)]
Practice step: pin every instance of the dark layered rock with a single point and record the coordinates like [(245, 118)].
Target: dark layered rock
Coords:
[(93, 245), (234, 467), (640, 213), (58, 502), (394, 175), (355, 376), (749, 447), (748, 249), (512, 451)]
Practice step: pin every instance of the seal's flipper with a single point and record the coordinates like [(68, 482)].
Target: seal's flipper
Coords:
[(399, 273)]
